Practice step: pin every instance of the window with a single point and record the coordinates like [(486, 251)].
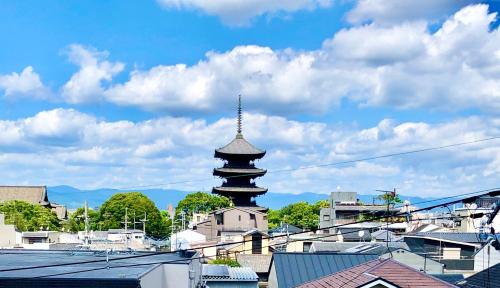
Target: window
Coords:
[(252, 216), (264, 217), (307, 246), (239, 217), (326, 217)]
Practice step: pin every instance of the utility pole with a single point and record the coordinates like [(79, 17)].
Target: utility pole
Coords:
[(86, 215), (126, 219), (387, 199), (144, 224)]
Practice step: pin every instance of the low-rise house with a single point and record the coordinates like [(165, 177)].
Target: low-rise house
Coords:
[(184, 239), (353, 235), (258, 263), (345, 208), (222, 276), (455, 250), (292, 269), (379, 273), (91, 269), (415, 261), (252, 242), (227, 223)]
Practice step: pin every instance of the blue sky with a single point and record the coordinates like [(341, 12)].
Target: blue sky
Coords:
[(129, 93)]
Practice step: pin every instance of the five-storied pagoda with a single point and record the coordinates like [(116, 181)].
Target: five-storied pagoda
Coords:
[(239, 171)]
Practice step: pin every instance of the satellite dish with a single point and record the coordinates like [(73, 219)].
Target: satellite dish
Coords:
[(361, 233)]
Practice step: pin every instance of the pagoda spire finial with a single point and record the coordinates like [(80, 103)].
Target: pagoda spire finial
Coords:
[(239, 116)]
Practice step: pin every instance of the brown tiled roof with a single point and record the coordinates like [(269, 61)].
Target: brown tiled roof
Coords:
[(388, 270)]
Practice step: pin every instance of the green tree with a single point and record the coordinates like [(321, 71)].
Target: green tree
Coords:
[(76, 221), (112, 213), (225, 261), (29, 217), (201, 202), (300, 214)]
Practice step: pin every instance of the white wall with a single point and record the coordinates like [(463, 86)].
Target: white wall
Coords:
[(481, 258)]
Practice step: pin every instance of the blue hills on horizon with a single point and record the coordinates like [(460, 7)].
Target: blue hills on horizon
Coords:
[(73, 197)]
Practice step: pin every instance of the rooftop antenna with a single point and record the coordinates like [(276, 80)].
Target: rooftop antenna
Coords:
[(239, 117)]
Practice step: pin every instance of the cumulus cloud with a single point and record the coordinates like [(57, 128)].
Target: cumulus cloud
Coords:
[(397, 11), (240, 12), (401, 66), (78, 149), (24, 84), (86, 84)]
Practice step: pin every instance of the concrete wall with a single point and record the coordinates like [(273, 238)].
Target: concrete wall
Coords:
[(273, 280), (154, 278), (481, 258), (8, 236)]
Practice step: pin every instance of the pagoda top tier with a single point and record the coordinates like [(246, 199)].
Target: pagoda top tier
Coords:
[(239, 147)]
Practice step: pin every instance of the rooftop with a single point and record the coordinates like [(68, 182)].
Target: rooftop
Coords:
[(389, 270), (258, 263), (119, 266), (486, 278), (293, 269), (239, 146), (213, 272)]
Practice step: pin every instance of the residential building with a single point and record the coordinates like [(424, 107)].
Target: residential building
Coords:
[(379, 273), (148, 270), (345, 208), (222, 276), (415, 261), (185, 239), (251, 242), (229, 223), (292, 269)]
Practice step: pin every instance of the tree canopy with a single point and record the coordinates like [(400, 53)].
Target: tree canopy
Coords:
[(201, 202), (300, 214), (112, 214), (29, 217), (76, 221)]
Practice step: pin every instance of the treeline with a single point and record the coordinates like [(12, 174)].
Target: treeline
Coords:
[(111, 214)]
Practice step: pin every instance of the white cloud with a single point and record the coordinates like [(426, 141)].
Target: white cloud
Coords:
[(402, 66), (78, 149), (86, 84), (396, 11), (240, 12), (24, 84)]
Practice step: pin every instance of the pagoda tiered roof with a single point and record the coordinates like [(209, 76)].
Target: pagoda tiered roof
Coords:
[(232, 172), (241, 147)]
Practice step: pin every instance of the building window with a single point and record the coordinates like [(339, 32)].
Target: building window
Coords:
[(239, 217), (326, 217), (252, 216), (307, 246)]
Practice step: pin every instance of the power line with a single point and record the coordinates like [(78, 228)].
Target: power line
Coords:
[(201, 257), (324, 164), (492, 192)]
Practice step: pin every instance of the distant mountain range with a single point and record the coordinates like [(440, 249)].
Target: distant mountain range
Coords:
[(74, 198)]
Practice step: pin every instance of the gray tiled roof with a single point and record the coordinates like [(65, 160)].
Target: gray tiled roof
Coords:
[(484, 278), (286, 228), (19, 258), (293, 269), (240, 146), (452, 236), (258, 263), (352, 234)]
